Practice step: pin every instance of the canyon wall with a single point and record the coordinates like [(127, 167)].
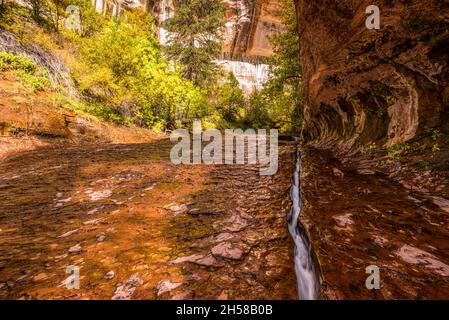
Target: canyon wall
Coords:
[(249, 24), (383, 86)]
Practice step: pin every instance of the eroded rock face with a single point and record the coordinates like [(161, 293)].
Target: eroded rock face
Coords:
[(383, 86), (58, 73), (249, 23)]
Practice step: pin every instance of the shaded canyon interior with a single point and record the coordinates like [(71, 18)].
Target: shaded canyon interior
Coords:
[(383, 86), (368, 93), (374, 178)]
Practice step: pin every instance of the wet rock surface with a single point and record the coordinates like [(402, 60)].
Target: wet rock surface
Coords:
[(124, 215), (356, 220)]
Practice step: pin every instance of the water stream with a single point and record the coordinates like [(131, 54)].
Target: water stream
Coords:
[(307, 271)]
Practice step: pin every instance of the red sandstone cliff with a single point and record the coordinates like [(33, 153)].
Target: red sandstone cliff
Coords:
[(386, 87), (249, 23)]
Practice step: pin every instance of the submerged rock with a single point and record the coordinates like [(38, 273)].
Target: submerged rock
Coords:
[(110, 275), (69, 233), (126, 290), (420, 257), (344, 220), (236, 223), (197, 259), (442, 203), (227, 250), (166, 286)]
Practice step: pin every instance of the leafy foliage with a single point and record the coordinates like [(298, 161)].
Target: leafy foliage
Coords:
[(278, 103), (116, 63), (123, 76), (11, 61), (284, 89), (230, 102), (24, 70), (137, 83)]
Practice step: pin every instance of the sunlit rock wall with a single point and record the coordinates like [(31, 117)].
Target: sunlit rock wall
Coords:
[(249, 24), (115, 7)]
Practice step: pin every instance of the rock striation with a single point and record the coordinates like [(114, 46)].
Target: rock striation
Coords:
[(249, 24), (384, 86)]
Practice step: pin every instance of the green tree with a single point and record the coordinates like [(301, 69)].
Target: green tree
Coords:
[(257, 111), (195, 38), (284, 87), (230, 101)]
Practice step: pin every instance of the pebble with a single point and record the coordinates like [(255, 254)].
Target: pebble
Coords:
[(75, 249), (94, 221), (194, 212), (227, 250), (110, 275), (40, 276), (125, 291), (166, 286), (98, 195), (101, 237), (69, 233), (366, 172), (338, 173), (150, 187), (178, 209), (92, 211)]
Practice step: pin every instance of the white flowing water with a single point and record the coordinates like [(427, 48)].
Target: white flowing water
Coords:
[(307, 273)]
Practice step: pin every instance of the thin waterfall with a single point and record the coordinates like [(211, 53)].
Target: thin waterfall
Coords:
[(307, 271)]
